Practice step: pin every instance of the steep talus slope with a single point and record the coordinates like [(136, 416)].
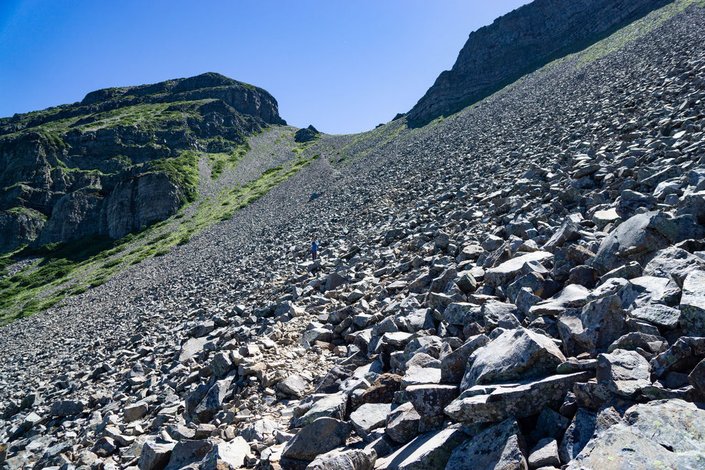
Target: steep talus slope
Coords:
[(121, 159), (465, 312), (520, 42)]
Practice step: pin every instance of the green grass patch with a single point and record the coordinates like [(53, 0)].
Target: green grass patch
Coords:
[(182, 171), (219, 162)]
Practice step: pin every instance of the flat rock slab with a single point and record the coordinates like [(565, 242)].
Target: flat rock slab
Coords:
[(429, 451), (508, 270), (319, 437), (368, 417), (493, 403)]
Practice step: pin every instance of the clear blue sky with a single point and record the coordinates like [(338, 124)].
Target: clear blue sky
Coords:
[(342, 65)]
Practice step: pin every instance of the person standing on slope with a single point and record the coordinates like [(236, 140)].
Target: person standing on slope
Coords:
[(314, 249)]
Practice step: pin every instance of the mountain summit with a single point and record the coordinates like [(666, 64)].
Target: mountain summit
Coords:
[(119, 160)]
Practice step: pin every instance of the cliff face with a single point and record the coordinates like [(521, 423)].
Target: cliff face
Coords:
[(119, 160), (521, 42)]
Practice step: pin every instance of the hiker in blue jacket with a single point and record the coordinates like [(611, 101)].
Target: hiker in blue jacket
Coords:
[(314, 249)]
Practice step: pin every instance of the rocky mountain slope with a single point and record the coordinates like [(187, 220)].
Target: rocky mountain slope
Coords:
[(521, 42), (121, 159), (517, 286)]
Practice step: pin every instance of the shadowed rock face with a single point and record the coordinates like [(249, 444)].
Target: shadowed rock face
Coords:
[(521, 42), (97, 168)]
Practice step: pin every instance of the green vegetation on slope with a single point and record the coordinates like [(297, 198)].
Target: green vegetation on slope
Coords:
[(70, 269)]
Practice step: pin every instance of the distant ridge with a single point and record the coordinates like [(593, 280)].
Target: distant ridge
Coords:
[(519, 43)]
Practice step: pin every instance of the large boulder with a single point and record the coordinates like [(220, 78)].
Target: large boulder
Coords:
[(641, 235), (498, 447), (514, 354), (667, 433)]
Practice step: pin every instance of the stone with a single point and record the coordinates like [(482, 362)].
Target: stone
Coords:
[(213, 401), (369, 416), (403, 423), (64, 408), (227, 455), (623, 372), (544, 454), (262, 430), (493, 403), (670, 432), (188, 452), (572, 296), (429, 451), (453, 364), (135, 411), (499, 446), (549, 424), (600, 323), (155, 456), (319, 437), (515, 354), (658, 314), (293, 386), (577, 435), (191, 348), (507, 271), (685, 353), (673, 262), (696, 378), (461, 313), (332, 406), (692, 304), (429, 401), (354, 459), (635, 235)]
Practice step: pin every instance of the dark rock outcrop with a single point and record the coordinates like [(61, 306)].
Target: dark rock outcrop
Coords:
[(115, 162), (520, 42), (306, 134)]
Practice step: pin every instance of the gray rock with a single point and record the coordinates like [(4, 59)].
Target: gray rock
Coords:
[(499, 446), (430, 401), (227, 455), (319, 437), (293, 386), (135, 411), (453, 364), (658, 314), (155, 456), (692, 303), (544, 454), (403, 423), (577, 435), (429, 451), (332, 406), (188, 452), (623, 372), (213, 401), (507, 271), (64, 408), (515, 354), (489, 404), (353, 459), (369, 416), (669, 432)]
